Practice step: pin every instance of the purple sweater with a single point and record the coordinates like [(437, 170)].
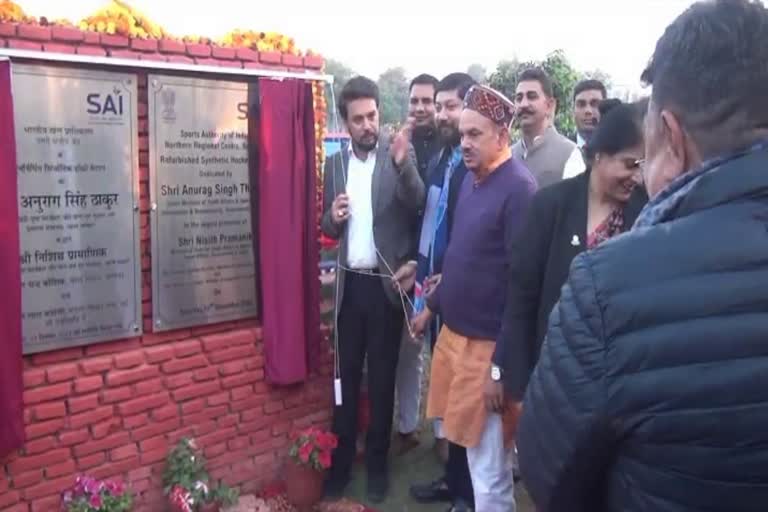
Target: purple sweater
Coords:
[(471, 295)]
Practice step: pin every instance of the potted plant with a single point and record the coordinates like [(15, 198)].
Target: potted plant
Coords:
[(185, 482), (91, 495), (309, 458)]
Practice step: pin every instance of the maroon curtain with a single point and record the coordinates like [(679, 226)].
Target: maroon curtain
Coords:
[(288, 247), (11, 385)]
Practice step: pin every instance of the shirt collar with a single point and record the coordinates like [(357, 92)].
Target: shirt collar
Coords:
[(580, 142)]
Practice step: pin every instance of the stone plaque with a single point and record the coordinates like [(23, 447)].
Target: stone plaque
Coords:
[(76, 143), (202, 255)]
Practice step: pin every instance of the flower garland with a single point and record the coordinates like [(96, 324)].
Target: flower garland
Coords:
[(117, 17), (120, 18), (260, 41), (11, 12), (321, 122)]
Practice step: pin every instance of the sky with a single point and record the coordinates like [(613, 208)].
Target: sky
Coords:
[(426, 36)]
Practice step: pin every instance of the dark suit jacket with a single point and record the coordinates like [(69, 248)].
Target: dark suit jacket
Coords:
[(397, 196), (540, 266)]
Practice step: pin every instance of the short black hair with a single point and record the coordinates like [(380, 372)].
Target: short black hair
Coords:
[(423, 79), (459, 82), (538, 75), (620, 128), (710, 68), (590, 85), (357, 88)]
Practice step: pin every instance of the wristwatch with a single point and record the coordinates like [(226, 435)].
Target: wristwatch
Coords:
[(495, 373)]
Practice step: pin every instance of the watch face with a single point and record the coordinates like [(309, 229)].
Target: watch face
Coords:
[(495, 373)]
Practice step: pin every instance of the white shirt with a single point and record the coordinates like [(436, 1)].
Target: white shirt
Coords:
[(574, 165), (580, 141), (361, 248)]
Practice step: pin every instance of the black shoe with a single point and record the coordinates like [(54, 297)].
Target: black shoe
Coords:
[(433, 492), (378, 487), (334, 487), (460, 506)]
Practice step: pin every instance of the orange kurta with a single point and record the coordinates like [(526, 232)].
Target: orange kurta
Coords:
[(460, 369)]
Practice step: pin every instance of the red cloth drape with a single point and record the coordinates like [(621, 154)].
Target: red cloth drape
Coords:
[(288, 247), (11, 385)]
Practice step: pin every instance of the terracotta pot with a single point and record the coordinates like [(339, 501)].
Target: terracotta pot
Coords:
[(210, 507), (303, 486)]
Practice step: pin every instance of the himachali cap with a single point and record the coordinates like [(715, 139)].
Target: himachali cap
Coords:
[(491, 104)]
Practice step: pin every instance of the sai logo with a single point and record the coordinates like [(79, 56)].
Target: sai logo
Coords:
[(106, 104), (168, 99)]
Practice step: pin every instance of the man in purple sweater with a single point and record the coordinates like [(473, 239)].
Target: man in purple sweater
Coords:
[(465, 388)]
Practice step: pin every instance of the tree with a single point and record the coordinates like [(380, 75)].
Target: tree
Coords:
[(341, 74), (393, 91), (564, 79), (504, 79), (478, 72)]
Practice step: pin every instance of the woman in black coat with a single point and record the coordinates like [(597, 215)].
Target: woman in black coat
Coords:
[(565, 219)]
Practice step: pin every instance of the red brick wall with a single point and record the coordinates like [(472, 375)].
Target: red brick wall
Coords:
[(115, 409)]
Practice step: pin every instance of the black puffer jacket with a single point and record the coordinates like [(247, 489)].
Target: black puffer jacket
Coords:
[(651, 392)]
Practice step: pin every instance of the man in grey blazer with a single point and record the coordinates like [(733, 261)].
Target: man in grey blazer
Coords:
[(372, 196)]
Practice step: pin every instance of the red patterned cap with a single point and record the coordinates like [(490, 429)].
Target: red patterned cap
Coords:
[(491, 104)]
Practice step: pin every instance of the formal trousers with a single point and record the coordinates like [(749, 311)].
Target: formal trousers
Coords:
[(460, 369), (369, 325)]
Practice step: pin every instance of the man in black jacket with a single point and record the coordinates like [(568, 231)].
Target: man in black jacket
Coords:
[(650, 392)]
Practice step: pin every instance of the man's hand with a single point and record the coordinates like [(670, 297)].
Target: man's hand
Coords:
[(493, 393), (430, 285), (340, 209), (420, 322), (400, 144), (405, 277)]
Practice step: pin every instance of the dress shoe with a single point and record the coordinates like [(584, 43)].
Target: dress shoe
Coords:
[(334, 487), (378, 487), (433, 492), (460, 506)]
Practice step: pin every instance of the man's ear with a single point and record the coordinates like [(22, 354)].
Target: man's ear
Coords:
[(681, 149), (552, 104), (505, 137), (672, 130)]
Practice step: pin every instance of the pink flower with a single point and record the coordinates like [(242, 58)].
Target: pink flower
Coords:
[(116, 489), (324, 459), (95, 501), (305, 452), (91, 485), (326, 441)]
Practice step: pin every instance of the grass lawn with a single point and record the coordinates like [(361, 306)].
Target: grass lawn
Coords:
[(419, 465)]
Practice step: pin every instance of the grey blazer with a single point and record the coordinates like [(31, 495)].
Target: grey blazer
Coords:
[(396, 197)]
